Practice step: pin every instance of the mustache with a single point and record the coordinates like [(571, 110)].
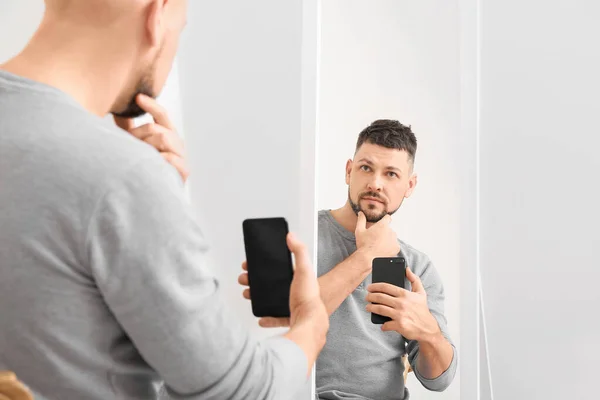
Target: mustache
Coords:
[(374, 195)]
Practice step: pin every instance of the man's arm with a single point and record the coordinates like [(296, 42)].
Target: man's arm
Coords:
[(433, 358), (149, 261), (379, 240), (417, 314), (337, 284)]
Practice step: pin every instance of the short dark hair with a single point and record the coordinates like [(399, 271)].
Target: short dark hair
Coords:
[(391, 134)]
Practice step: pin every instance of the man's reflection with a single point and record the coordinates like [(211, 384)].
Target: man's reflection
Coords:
[(362, 360)]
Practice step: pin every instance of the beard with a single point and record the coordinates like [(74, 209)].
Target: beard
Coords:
[(371, 214), (144, 86), (132, 110)]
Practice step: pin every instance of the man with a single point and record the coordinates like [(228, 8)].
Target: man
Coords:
[(104, 288), (362, 360)]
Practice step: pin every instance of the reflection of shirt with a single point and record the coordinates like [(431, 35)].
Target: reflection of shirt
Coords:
[(359, 360), (106, 290)]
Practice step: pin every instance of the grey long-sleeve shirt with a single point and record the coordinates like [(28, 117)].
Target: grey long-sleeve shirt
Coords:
[(359, 360), (105, 291)]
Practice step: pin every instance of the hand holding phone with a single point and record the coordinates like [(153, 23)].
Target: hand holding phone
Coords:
[(309, 321), (390, 270)]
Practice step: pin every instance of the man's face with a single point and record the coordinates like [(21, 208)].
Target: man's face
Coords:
[(153, 75), (378, 180)]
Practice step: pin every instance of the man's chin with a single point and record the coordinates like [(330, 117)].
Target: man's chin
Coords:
[(373, 218)]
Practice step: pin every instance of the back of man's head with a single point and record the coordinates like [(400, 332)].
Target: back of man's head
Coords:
[(110, 49)]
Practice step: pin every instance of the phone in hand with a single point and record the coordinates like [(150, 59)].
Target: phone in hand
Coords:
[(270, 268), (390, 270)]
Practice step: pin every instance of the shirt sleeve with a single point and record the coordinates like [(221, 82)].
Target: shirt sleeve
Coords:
[(149, 260), (432, 283)]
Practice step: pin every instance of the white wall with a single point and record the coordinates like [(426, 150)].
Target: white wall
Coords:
[(539, 196), (18, 21), (399, 60), (249, 118)]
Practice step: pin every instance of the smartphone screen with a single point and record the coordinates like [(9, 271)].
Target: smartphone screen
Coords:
[(390, 270), (270, 269)]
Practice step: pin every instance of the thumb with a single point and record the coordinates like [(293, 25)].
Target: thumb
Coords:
[(302, 262), (415, 282), (361, 223)]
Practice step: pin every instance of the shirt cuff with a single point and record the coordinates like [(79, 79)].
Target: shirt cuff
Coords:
[(294, 373), (441, 382)]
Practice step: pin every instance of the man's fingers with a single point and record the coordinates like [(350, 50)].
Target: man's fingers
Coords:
[(381, 298), (165, 143), (270, 322), (124, 123), (361, 223), (7, 376), (415, 281), (245, 265), (382, 287), (157, 111), (389, 326), (246, 294), (243, 279), (178, 163), (386, 220), (143, 132), (381, 310), (300, 254)]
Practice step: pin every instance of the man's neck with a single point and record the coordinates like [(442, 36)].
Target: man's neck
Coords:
[(75, 62)]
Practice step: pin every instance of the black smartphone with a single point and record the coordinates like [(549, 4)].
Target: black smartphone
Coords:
[(390, 270), (270, 269)]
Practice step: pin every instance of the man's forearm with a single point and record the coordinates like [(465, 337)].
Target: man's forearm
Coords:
[(341, 281), (310, 338), (435, 356)]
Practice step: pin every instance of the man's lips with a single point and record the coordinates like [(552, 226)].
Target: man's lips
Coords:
[(372, 199)]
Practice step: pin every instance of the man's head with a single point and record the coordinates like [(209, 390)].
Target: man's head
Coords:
[(381, 174), (139, 37)]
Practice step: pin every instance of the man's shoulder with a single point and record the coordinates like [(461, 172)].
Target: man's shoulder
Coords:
[(68, 146), (416, 259), (323, 214)]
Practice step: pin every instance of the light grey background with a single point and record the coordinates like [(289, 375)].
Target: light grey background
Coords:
[(539, 196)]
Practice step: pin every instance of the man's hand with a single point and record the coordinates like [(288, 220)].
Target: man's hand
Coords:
[(408, 310), (305, 299), (309, 321), (160, 134), (379, 240), (11, 388)]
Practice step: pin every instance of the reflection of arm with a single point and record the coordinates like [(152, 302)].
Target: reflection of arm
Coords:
[(434, 362), (341, 281), (148, 257)]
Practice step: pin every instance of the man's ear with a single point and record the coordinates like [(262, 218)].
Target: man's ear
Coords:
[(155, 23), (348, 171), (412, 183)]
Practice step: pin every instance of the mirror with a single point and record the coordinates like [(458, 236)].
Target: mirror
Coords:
[(397, 61)]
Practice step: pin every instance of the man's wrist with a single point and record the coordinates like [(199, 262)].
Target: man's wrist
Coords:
[(432, 339), (364, 258), (310, 335)]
